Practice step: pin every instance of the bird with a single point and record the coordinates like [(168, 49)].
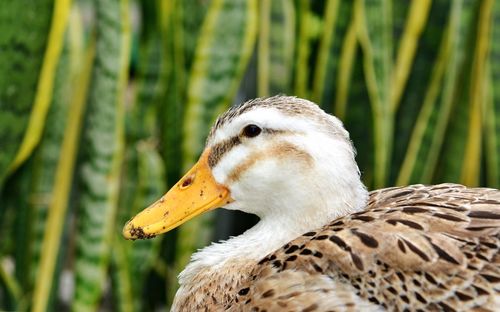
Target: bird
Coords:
[(323, 242)]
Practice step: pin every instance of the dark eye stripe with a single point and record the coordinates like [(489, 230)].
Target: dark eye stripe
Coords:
[(276, 131), (219, 149)]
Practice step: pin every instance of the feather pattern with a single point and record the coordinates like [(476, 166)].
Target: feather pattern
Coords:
[(416, 247)]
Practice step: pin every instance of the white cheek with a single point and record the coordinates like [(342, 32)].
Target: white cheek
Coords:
[(253, 188), (273, 183)]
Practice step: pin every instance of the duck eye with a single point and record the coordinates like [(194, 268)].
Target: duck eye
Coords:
[(251, 131)]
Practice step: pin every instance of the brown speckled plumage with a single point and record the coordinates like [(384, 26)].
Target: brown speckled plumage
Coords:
[(416, 248), (428, 248)]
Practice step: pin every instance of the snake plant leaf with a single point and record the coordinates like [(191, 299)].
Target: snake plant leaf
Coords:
[(56, 212), (45, 159), (16, 222), (418, 25), (374, 33), (173, 79), (471, 167), (452, 157), (44, 88), (415, 22), (492, 113), (347, 56), (304, 14), (326, 72), (141, 117), (275, 47), (356, 114), (351, 90), (226, 43), (191, 15), (21, 68), (103, 153), (420, 108)]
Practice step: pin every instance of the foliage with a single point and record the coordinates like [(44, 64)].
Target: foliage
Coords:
[(104, 104)]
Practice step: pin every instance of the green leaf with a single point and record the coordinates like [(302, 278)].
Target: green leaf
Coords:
[(276, 47), (472, 159), (415, 22), (346, 62), (32, 215), (103, 153), (492, 109), (451, 158), (56, 217), (226, 43), (23, 38), (45, 81), (303, 48), (332, 53), (422, 120), (173, 77), (374, 34)]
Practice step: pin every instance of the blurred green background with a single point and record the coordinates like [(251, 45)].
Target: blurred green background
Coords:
[(104, 104)]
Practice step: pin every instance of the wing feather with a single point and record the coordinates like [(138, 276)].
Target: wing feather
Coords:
[(417, 247)]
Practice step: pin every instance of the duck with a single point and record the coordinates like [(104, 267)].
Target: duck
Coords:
[(323, 242)]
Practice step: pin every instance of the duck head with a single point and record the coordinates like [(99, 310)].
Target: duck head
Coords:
[(281, 158)]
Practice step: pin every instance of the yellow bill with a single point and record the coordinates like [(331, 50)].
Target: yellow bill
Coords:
[(194, 194)]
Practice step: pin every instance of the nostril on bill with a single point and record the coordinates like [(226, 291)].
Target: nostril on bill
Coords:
[(187, 182)]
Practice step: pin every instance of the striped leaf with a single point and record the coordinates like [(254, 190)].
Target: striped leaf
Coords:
[(355, 114), (23, 38), (492, 109), (56, 217), (305, 19), (44, 88), (32, 217), (374, 34), (276, 47), (451, 159), (347, 57), (173, 78), (17, 222), (103, 139), (191, 15), (416, 28), (335, 29), (471, 166), (434, 76), (225, 46), (415, 22)]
